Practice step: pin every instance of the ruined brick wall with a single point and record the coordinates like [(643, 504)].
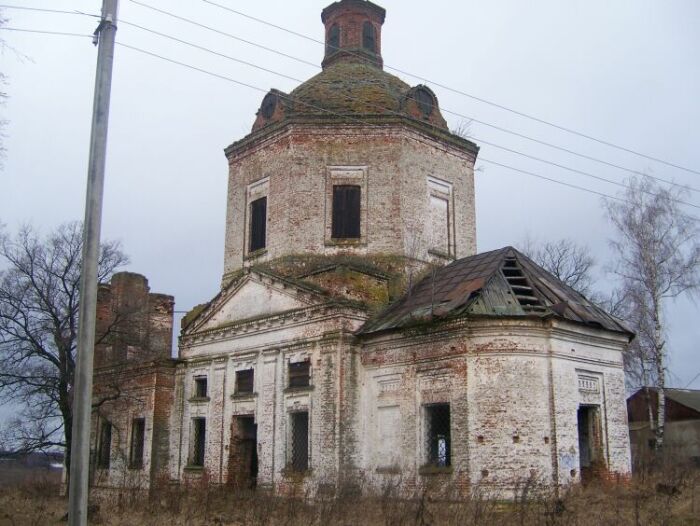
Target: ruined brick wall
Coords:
[(514, 389), (133, 379), (121, 395), (132, 323), (391, 164)]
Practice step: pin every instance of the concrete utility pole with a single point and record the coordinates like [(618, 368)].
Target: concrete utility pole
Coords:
[(82, 392)]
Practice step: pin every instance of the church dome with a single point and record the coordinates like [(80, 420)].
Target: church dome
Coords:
[(349, 88), (352, 86)]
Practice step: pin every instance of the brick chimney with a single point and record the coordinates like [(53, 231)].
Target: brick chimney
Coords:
[(353, 32)]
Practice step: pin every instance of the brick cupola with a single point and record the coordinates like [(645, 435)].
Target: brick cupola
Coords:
[(353, 32)]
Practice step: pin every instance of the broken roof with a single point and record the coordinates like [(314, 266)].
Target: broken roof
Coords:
[(502, 282)]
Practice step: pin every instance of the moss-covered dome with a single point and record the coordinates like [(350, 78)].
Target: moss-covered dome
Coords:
[(356, 89), (349, 88)]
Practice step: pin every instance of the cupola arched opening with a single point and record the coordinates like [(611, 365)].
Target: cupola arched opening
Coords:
[(369, 37)]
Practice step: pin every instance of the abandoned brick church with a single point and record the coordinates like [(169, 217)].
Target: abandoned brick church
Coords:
[(357, 335)]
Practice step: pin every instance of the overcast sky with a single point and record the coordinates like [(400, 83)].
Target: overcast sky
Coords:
[(626, 71)]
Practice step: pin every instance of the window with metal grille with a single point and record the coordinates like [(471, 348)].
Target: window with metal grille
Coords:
[(300, 441), (200, 387), (138, 435), (198, 441), (244, 381), (299, 374), (369, 37), (258, 223), (346, 211), (105, 445), (333, 39), (437, 420)]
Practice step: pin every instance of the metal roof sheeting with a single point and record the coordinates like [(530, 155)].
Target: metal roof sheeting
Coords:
[(502, 282)]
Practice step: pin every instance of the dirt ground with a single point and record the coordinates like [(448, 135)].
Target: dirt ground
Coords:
[(664, 500)]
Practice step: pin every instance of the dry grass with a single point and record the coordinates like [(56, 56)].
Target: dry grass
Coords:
[(671, 498)]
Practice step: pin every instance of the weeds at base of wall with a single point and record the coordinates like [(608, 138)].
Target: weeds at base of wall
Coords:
[(667, 498)]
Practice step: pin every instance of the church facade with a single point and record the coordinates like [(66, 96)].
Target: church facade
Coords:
[(357, 336)]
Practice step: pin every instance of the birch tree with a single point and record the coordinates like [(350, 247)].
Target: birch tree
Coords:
[(657, 259)]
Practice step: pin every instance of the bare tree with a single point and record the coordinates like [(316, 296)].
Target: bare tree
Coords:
[(658, 258), (39, 300), (566, 260)]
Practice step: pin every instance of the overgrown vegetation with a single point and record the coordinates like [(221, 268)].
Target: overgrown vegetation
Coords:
[(669, 497)]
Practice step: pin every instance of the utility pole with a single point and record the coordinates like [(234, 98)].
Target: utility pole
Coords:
[(82, 392)]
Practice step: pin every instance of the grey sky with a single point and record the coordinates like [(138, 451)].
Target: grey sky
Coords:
[(625, 71)]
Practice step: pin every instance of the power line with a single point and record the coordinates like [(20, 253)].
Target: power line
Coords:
[(250, 64), (44, 10), (445, 110), (42, 32), (263, 90), (459, 92), (257, 88)]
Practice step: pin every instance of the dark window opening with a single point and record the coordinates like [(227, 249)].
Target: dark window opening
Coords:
[(590, 443), (299, 374), (258, 223), (300, 441), (244, 381), (369, 37), (200, 387), (438, 435), (105, 445), (269, 104), (333, 39), (346, 212), (424, 100), (199, 426), (243, 454), (138, 435)]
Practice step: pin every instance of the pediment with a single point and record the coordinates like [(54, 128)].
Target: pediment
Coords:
[(254, 296)]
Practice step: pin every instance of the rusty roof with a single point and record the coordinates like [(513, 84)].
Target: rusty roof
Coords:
[(502, 282)]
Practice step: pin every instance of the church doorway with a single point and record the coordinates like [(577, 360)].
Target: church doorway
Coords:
[(590, 443), (243, 452)]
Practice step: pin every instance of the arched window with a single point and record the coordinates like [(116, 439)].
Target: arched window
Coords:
[(369, 37), (333, 42), (424, 100)]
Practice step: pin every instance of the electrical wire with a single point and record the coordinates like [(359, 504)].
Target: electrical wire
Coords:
[(43, 32), (378, 107), (263, 90), (459, 92), (444, 110), (44, 10)]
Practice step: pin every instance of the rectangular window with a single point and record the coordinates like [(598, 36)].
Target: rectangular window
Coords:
[(346, 211), (300, 441), (138, 436), (200, 387), (198, 442), (105, 445), (244, 381), (258, 224), (439, 225), (437, 420), (299, 374)]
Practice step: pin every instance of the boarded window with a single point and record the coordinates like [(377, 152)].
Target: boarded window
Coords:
[(138, 436), (299, 374), (439, 225), (198, 441), (333, 39), (389, 444), (105, 445), (438, 435), (244, 381), (300, 441), (369, 37), (200, 387), (258, 223), (346, 211)]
